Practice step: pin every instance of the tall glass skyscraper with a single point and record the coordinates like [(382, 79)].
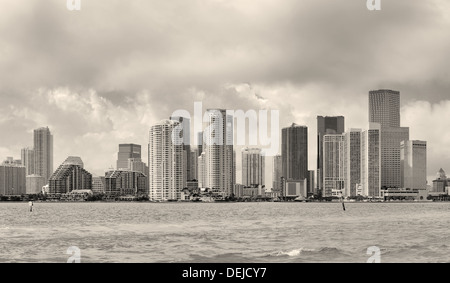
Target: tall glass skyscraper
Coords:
[(253, 167)]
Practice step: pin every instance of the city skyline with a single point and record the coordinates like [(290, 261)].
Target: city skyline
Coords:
[(304, 59)]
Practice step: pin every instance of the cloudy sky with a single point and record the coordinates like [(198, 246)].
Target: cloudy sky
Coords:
[(103, 75)]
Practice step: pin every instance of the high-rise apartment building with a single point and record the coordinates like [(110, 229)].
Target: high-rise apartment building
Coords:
[(185, 135), (253, 167), (371, 160), (328, 125), (277, 171), (166, 162), (43, 149), (69, 177), (352, 161), (125, 182), (219, 156), (333, 165)]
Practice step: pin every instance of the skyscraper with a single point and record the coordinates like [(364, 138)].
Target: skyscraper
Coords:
[(294, 152), (253, 167), (200, 143), (352, 161), (166, 162), (329, 125), (277, 173), (371, 160), (413, 156), (193, 163), (127, 151), (27, 156), (384, 107), (219, 152), (185, 135), (333, 165), (43, 150), (125, 182), (201, 171)]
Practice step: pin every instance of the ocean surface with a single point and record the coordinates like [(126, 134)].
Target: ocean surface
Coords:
[(225, 232)]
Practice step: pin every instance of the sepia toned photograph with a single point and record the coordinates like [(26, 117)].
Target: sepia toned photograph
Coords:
[(224, 132)]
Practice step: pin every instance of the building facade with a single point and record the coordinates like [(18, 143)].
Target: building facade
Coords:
[(352, 161), (12, 179), (413, 163), (384, 107), (219, 156), (69, 177), (333, 165), (43, 150), (294, 152), (127, 151), (27, 156), (371, 161), (98, 184), (166, 162), (34, 184), (125, 182), (328, 125), (253, 167), (277, 173)]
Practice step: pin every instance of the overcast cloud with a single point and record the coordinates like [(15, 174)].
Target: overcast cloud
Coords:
[(103, 75)]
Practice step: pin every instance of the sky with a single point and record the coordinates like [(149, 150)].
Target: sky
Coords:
[(105, 74)]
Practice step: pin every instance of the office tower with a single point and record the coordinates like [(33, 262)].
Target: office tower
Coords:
[(193, 165), (125, 182), (333, 165), (27, 156), (371, 160), (253, 167), (219, 152), (74, 160), (34, 184), (390, 155), (185, 135), (328, 125), (413, 156), (199, 143), (311, 182), (98, 184), (127, 151), (12, 179), (201, 171), (166, 162), (352, 161), (69, 177), (43, 150), (277, 173), (294, 152), (384, 107)]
